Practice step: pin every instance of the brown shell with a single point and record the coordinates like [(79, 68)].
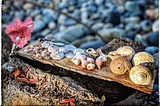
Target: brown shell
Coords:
[(142, 57), (120, 65), (140, 75)]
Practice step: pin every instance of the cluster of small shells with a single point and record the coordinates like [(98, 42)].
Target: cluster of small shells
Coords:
[(121, 63), (90, 59)]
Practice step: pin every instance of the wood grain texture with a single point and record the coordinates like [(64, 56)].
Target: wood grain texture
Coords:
[(104, 73)]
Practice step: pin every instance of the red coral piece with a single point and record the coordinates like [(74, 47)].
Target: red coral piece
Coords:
[(20, 32)]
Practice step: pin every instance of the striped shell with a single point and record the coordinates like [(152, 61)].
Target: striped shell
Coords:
[(140, 75), (142, 57), (120, 65)]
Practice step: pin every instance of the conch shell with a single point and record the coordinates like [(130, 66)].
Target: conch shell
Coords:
[(125, 51), (142, 57), (140, 75), (120, 65)]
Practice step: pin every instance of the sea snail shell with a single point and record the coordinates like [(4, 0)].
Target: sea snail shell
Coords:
[(99, 62), (90, 66), (124, 51), (140, 75), (142, 57), (120, 65), (91, 52)]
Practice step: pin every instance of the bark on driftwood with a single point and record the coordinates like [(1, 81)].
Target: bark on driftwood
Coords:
[(62, 84)]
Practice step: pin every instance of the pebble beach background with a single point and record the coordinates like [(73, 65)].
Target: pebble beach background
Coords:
[(133, 20)]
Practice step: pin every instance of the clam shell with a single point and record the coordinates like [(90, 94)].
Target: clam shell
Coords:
[(90, 66), (143, 57), (120, 65), (140, 75)]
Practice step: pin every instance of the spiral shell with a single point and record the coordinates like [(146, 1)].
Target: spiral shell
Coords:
[(99, 62), (120, 65), (140, 75), (91, 52), (126, 51), (143, 57), (90, 66)]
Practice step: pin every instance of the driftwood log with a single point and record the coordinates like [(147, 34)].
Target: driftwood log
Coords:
[(61, 84)]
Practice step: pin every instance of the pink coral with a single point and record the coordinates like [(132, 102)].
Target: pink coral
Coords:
[(20, 32)]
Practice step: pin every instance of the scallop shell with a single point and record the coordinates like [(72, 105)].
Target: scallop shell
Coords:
[(99, 62), (126, 51), (90, 66), (143, 57), (120, 65), (140, 75)]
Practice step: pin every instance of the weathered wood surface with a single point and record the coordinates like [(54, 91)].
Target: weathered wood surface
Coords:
[(104, 73)]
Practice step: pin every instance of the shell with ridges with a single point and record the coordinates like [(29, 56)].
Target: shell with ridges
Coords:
[(143, 57), (120, 65), (140, 75)]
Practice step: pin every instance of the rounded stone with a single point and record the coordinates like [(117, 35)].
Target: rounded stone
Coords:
[(52, 25), (152, 49), (153, 38)]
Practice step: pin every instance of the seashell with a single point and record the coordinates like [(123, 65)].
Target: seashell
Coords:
[(52, 49), (120, 65), (63, 49), (99, 51), (90, 60), (57, 56), (78, 51), (44, 53), (38, 55), (140, 75), (90, 66), (81, 57), (143, 57), (46, 44), (35, 49), (70, 47), (76, 61), (84, 63), (126, 51), (91, 52), (69, 55), (99, 62)]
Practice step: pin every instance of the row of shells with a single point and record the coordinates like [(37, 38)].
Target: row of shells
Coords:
[(122, 59)]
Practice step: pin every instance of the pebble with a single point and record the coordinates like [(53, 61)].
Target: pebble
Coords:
[(140, 39), (131, 34), (48, 18), (52, 25), (156, 57), (152, 49), (92, 44), (153, 38), (97, 26), (113, 18), (132, 27), (69, 22), (19, 14), (27, 6), (99, 2), (146, 25), (45, 32), (156, 87), (155, 26), (39, 25), (132, 6)]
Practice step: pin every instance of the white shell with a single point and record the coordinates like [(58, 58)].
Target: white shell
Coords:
[(90, 60), (46, 44), (76, 61), (90, 66), (70, 47), (78, 51), (84, 63), (81, 57), (52, 49), (69, 55), (57, 56), (63, 49)]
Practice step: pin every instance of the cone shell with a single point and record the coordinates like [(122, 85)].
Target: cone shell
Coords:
[(142, 57), (140, 75), (120, 65), (99, 62)]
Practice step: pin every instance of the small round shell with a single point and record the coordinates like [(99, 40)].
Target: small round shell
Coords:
[(99, 62), (52, 49), (140, 75), (142, 57), (84, 63), (76, 61), (90, 66), (120, 65), (90, 60)]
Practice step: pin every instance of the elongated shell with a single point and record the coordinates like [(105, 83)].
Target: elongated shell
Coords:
[(99, 62), (120, 65), (140, 75), (142, 57)]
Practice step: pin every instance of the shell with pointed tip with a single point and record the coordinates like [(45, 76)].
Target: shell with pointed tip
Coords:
[(143, 57), (99, 62), (120, 65), (140, 75), (90, 66)]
